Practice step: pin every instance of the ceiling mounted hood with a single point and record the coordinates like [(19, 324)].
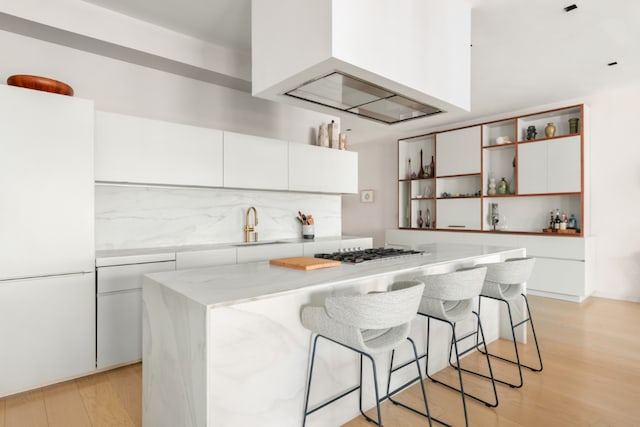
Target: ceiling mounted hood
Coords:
[(386, 60)]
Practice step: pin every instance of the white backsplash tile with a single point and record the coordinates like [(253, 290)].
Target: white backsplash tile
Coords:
[(129, 217)]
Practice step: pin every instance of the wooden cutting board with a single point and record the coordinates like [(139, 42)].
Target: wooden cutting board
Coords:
[(304, 262)]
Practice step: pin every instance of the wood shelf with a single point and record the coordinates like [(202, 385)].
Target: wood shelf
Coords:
[(545, 176)]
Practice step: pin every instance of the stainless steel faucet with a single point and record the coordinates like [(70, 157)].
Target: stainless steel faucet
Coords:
[(248, 229)]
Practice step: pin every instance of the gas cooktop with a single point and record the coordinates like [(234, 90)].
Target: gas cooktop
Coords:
[(356, 256)]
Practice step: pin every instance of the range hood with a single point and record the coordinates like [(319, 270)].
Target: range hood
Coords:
[(387, 61)]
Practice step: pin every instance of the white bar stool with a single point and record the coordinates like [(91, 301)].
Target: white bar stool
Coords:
[(505, 282), (449, 298), (367, 324)]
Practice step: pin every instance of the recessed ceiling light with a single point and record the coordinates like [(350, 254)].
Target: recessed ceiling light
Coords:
[(570, 7), (611, 64)]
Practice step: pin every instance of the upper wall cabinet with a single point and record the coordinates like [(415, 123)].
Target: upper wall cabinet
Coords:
[(458, 152), (255, 163), (137, 150), (550, 166), (323, 170)]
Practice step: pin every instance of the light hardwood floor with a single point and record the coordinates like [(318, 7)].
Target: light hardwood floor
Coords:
[(591, 377)]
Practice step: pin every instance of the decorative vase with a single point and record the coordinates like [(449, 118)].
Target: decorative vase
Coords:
[(323, 135), (503, 188), (492, 185), (573, 125), (420, 220), (550, 130)]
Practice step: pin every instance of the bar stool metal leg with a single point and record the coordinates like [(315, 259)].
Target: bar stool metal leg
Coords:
[(517, 360), (410, 382), (454, 346)]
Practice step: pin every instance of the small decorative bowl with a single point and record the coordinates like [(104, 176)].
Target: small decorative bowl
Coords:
[(40, 83)]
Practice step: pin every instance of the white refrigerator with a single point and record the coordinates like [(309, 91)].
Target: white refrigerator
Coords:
[(47, 266)]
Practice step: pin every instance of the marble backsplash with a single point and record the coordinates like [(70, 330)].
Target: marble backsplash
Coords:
[(130, 217)]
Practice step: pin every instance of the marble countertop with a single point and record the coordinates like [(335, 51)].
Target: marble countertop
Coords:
[(233, 284), (167, 253)]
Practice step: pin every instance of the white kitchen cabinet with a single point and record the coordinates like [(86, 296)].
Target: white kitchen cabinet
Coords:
[(532, 168), (47, 327), (139, 150), (119, 311), (550, 166), (205, 258), (458, 152), (320, 169), (253, 162), (46, 184), (564, 170), (564, 266), (458, 214), (269, 251)]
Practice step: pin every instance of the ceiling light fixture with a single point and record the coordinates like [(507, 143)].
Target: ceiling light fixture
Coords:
[(570, 7)]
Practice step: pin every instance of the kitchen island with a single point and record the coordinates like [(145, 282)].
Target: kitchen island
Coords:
[(224, 346)]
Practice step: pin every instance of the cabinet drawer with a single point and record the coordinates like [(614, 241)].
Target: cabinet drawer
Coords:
[(123, 277), (558, 276), (458, 214), (119, 332)]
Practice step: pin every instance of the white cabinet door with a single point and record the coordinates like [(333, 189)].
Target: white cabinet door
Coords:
[(458, 214), (47, 327), (269, 251), (207, 258), (255, 162), (564, 171), (320, 169), (46, 184), (458, 151), (532, 168), (119, 311), (551, 166), (134, 149), (119, 328)]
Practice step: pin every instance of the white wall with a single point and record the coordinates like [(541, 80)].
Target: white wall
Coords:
[(377, 170), (614, 193), (121, 87)]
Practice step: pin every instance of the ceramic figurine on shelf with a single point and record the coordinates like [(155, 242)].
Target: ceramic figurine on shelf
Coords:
[(492, 185), (531, 133)]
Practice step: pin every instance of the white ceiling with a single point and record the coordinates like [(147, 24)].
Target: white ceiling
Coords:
[(525, 53)]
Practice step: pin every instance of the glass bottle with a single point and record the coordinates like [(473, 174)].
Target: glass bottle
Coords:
[(421, 173), (432, 167), (420, 220)]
